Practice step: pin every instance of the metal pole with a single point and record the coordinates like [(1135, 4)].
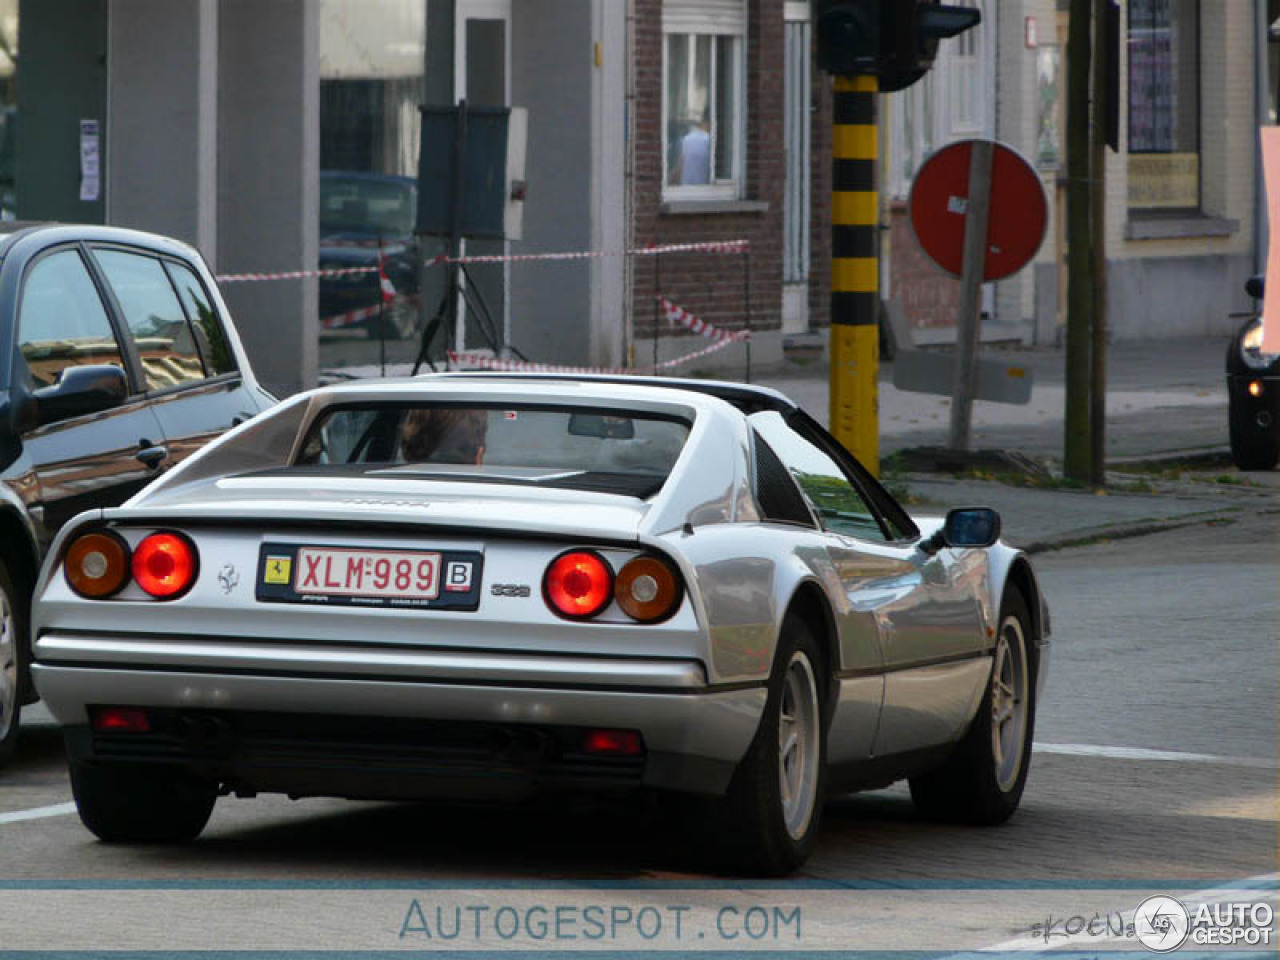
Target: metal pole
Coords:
[(855, 270), (1098, 233), (657, 308), (977, 212), (746, 302)]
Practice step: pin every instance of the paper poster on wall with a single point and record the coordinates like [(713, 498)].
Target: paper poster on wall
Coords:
[(90, 175)]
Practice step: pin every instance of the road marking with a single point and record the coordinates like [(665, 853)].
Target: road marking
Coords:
[(38, 813), (1142, 753), (1230, 892)]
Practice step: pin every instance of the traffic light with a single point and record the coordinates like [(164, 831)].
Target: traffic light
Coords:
[(895, 40)]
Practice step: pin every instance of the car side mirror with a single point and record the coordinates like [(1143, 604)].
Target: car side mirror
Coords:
[(80, 391), (1255, 286), (973, 527)]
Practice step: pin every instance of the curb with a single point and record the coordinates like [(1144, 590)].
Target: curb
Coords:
[(1128, 531)]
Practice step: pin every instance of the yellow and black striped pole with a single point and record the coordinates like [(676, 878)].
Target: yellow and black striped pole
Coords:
[(855, 271)]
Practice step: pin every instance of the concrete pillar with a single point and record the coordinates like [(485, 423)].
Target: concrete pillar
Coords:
[(269, 180), (163, 118)]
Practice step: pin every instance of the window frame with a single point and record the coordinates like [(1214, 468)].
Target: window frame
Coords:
[(132, 366), (689, 23), (1157, 212), (122, 322)]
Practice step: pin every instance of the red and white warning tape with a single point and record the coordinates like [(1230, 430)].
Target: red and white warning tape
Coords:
[(481, 361), (293, 274), (719, 246), (686, 319), (352, 317)]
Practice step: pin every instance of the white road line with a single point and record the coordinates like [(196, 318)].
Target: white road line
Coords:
[(1142, 753), (1234, 892), (38, 813)]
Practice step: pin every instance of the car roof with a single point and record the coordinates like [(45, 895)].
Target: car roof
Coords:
[(746, 397), (12, 232)]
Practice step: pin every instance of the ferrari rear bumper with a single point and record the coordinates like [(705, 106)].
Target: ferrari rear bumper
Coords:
[(344, 721)]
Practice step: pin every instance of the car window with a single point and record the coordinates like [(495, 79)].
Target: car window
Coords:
[(838, 504), (776, 493), (155, 318), (62, 321), (359, 205), (214, 344), (613, 451)]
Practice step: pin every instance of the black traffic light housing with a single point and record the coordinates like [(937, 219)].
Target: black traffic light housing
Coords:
[(895, 40)]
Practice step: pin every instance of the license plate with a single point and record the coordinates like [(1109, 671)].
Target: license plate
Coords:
[(367, 573), (347, 576)]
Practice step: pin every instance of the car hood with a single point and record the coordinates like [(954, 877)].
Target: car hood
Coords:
[(472, 505)]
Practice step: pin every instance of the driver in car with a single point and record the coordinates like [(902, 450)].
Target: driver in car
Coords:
[(444, 435)]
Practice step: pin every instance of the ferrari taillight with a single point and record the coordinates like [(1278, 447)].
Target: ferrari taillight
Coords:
[(96, 564), (578, 584), (165, 565)]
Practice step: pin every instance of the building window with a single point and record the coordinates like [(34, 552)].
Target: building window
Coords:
[(1164, 106), (966, 80), (702, 98)]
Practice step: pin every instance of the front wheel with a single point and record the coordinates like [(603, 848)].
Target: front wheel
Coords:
[(13, 626), (1251, 447), (767, 823), (140, 804), (983, 779)]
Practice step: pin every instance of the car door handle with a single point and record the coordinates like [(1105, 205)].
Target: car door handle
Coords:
[(152, 455)]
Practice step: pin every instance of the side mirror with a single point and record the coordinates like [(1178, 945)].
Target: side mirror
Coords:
[(975, 527), (80, 391), (1255, 286)]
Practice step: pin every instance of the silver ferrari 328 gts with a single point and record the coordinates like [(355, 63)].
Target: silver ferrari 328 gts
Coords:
[(479, 584)]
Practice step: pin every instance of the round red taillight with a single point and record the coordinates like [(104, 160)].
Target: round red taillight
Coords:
[(96, 564), (578, 584), (165, 565), (647, 589)]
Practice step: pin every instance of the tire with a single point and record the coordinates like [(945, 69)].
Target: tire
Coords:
[(1250, 449), (768, 822), (14, 604), (139, 804), (982, 781)]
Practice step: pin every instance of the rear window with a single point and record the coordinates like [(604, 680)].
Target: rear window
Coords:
[(607, 450)]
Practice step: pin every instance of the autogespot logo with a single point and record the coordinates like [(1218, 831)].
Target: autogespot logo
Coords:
[(1161, 924)]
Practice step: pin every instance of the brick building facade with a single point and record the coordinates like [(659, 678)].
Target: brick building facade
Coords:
[(727, 290)]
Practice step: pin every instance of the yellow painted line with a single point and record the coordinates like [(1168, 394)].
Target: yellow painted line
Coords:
[(855, 275), (855, 208), (855, 141)]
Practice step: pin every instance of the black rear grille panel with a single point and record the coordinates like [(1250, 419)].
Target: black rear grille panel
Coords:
[(368, 757)]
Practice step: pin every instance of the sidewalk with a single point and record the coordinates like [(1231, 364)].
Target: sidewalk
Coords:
[(1166, 403)]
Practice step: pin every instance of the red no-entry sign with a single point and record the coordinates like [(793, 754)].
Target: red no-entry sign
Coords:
[(940, 199)]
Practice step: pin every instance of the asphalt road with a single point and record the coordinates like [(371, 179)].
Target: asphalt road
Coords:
[(1155, 772)]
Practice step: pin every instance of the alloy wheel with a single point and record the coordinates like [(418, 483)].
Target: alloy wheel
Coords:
[(1009, 703), (799, 746)]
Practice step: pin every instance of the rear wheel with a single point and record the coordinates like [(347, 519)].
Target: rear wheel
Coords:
[(983, 779), (767, 823), (140, 804), (13, 627), (1251, 448)]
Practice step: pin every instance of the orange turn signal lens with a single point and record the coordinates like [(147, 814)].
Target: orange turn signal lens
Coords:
[(96, 565), (1255, 388), (647, 589), (165, 565)]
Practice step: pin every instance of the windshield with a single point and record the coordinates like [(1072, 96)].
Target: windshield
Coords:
[(358, 205), (607, 450)]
